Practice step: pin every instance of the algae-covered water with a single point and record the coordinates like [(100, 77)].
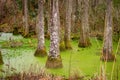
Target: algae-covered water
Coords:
[(85, 61)]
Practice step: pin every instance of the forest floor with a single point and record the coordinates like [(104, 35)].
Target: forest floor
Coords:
[(80, 61)]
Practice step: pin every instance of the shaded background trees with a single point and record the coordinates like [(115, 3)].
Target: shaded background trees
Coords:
[(96, 18), (78, 16)]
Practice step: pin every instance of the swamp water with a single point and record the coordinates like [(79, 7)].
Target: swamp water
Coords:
[(17, 59), (85, 61)]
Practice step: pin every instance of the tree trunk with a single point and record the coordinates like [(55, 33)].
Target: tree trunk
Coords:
[(2, 6), (62, 43), (41, 51), (25, 18), (62, 20), (84, 29), (47, 18), (67, 35), (76, 16), (107, 46), (54, 60), (1, 60)]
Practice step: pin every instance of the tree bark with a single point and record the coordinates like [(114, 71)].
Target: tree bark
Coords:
[(41, 51), (67, 36), (84, 29), (47, 18), (76, 16), (25, 18), (1, 60), (54, 59), (107, 45), (2, 5)]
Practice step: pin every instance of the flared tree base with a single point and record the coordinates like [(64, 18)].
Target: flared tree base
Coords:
[(84, 44), (108, 57), (68, 45), (54, 62), (62, 46), (40, 52), (1, 60)]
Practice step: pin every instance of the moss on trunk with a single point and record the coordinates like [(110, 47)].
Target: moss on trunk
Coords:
[(1, 60), (40, 52), (68, 44), (54, 62), (62, 46)]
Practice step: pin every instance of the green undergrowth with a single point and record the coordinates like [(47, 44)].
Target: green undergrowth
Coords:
[(85, 61)]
